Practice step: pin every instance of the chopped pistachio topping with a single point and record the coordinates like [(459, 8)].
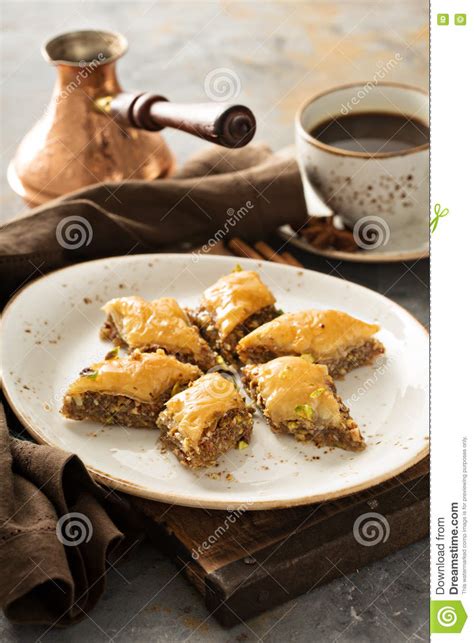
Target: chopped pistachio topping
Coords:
[(242, 445), (308, 358), (90, 373), (112, 354), (292, 425), (176, 388), (319, 391), (238, 268), (219, 359), (305, 410)]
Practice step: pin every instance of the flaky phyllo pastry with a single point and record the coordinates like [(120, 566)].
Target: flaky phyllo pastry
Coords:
[(328, 337), (129, 391), (300, 398), (232, 307), (205, 420), (136, 323)]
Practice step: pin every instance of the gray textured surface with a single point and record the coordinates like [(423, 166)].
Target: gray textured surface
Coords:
[(384, 602), (282, 53)]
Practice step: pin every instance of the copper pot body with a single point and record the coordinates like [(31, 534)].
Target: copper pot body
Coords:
[(73, 144)]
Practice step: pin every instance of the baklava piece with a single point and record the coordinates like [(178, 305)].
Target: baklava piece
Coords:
[(299, 398), (206, 420), (328, 337), (135, 323), (130, 391), (233, 307)]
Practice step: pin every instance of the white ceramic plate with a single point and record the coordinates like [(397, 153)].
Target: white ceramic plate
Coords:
[(50, 332)]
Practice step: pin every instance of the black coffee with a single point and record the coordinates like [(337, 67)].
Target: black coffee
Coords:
[(372, 132)]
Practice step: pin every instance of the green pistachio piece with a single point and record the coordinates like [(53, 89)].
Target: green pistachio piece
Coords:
[(305, 410), (176, 388), (112, 354)]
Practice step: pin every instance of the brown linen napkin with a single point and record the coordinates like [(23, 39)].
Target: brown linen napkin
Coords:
[(43, 578), (56, 537), (151, 216)]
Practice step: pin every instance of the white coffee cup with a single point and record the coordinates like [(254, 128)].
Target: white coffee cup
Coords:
[(392, 186)]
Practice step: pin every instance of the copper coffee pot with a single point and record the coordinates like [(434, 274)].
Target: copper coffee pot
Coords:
[(93, 131)]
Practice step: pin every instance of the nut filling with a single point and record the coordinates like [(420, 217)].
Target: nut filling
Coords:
[(115, 409), (332, 426), (359, 356), (226, 432), (204, 320)]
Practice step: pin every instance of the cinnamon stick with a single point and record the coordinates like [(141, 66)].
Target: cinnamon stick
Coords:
[(241, 249)]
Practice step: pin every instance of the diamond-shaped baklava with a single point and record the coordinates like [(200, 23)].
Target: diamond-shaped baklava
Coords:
[(329, 337), (231, 308), (130, 391), (299, 398), (205, 420), (134, 322)]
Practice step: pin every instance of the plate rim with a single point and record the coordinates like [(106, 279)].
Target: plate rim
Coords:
[(118, 484)]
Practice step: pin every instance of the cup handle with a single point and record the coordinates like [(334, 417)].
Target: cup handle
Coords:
[(315, 203)]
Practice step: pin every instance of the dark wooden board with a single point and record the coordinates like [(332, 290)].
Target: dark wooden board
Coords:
[(245, 563)]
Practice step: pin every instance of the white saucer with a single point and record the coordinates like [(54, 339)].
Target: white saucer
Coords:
[(409, 244)]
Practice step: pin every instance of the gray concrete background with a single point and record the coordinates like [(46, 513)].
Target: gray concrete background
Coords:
[(282, 53)]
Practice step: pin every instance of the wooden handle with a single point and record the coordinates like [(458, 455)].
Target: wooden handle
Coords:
[(220, 123)]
